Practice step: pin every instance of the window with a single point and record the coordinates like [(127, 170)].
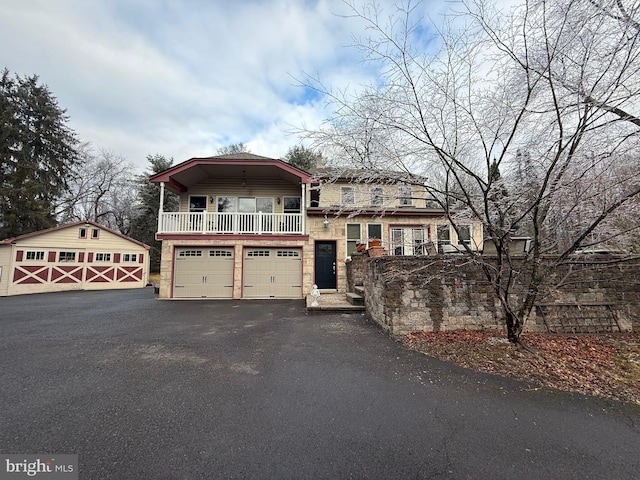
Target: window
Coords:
[(444, 234), (227, 204), (464, 234), (129, 257), (374, 230), (82, 233), (405, 195), (35, 255), (258, 253), (347, 196), (190, 253), (197, 203), (376, 196), (353, 236), (408, 240), (291, 205), (288, 253), (103, 257), (220, 253), (67, 257), (95, 233)]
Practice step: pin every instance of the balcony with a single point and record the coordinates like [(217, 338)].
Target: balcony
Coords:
[(216, 223)]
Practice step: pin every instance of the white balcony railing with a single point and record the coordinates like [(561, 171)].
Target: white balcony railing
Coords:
[(238, 223)]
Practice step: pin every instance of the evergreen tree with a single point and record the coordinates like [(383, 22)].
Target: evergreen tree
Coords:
[(145, 221), (304, 158), (37, 154)]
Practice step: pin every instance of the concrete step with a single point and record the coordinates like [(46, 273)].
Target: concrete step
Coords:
[(333, 303), (359, 289), (355, 299)]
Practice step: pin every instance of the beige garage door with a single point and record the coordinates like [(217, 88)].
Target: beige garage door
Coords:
[(203, 273), (272, 273)]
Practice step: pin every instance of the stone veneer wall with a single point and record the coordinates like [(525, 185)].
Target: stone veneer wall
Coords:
[(437, 293)]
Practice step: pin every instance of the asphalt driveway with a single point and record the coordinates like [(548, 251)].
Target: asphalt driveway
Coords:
[(148, 389)]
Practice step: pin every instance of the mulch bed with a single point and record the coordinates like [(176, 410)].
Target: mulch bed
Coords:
[(604, 365)]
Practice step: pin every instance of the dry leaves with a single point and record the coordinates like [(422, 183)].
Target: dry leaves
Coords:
[(605, 365)]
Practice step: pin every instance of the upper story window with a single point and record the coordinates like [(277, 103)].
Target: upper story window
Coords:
[(95, 233), (82, 233), (103, 257), (130, 257), (347, 196), (67, 256), (405, 195), (444, 234), (291, 205), (197, 203), (376, 196), (35, 255), (227, 204)]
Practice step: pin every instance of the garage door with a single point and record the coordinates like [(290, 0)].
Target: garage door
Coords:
[(272, 273), (203, 273)]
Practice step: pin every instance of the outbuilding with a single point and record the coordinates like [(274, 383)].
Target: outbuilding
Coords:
[(76, 256)]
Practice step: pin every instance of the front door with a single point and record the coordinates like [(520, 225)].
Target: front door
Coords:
[(325, 264)]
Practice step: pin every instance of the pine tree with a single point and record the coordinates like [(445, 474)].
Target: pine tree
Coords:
[(145, 220), (37, 154)]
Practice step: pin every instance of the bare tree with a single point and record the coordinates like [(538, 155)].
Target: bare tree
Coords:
[(239, 147), (103, 190), (520, 120)]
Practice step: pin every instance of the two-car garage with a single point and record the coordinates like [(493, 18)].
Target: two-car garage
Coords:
[(209, 272)]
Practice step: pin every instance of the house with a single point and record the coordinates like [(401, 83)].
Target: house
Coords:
[(255, 227), (76, 256)]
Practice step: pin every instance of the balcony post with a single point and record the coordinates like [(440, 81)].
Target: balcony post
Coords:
[(161, 208), (303, 208)]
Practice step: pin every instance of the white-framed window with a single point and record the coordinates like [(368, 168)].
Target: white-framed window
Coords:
[(376, 196), (374, 230), (227, 204), (443, 233), (197, 203), (82, 232), (347, 196), (405, 195), (291, 205), (103, 257), (408, 240), (95, 233), (35, 255), (354, 235), (67, 257), (129, 257), (464, 234)]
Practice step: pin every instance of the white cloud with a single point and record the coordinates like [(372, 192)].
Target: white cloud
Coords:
[(182, 78)]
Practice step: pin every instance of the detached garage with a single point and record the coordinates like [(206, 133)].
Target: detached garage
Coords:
[(77, 256)]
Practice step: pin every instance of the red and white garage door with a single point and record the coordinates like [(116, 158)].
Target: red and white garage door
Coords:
[(203, 272), (272, 273)]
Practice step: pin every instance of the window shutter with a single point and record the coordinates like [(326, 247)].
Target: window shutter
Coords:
[(19, 255), (90, 257), (52, 257), (81, 257), (116, 258), (141, 258)]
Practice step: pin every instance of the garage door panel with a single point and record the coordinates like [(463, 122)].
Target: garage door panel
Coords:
[(203, 272), (272, 273)]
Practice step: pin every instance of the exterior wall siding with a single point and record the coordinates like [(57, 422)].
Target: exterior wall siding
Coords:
[(46, 273)]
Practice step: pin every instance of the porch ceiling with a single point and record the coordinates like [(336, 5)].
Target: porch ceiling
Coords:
[(180, 177)]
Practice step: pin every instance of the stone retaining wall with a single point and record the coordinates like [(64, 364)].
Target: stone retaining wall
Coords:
[(444, 292)]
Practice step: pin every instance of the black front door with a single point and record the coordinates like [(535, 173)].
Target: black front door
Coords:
[(325, 258)]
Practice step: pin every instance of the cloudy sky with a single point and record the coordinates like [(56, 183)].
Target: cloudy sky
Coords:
[(183, 78)]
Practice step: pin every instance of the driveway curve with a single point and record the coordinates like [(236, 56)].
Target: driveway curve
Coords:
[(149, 389)]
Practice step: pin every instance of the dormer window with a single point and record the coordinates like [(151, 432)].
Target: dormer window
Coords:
[(405, 196)]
